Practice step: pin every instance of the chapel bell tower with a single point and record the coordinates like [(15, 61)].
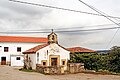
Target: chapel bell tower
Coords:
[(52, 38)]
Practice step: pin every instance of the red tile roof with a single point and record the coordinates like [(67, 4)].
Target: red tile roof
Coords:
[(35, 49), (74, 49), (22, 39), (80, 49)]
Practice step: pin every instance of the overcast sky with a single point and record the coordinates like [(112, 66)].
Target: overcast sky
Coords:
[(17, 16)]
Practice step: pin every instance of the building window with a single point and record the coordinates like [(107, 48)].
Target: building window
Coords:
[(38, 57), (44, 63), (6, 49), (63, 62), (52, 37), (17, 58), (18, 49)]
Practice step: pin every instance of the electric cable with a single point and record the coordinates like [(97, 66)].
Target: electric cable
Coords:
[(102, 13), (65, 9), (58, 31)]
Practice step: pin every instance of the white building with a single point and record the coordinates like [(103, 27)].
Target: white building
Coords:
[(11, 48), (49, 54)]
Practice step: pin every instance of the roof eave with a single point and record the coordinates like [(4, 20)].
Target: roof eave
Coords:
[(29, 52)]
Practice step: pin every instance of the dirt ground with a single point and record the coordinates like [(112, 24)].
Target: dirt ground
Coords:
[(11, 73)]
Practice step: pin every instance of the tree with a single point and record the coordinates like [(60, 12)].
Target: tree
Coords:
[(113, 63), (94, 61), (91, 60)]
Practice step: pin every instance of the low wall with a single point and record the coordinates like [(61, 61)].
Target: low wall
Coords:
[(50, 69), (75, 67), (71, 68)]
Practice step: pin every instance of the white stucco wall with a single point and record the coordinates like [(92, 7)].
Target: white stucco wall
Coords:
[(15, 62), (33, 60), (13, 49), (53, 49), (5, 55)]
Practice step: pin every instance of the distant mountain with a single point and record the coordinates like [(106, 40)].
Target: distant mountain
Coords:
[(103, 51)]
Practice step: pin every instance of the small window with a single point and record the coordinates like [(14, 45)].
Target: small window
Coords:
[(38, 54), (53, 37), (18, 49), (63, 62), (17, 58), (38, 57), (6, 49), (44, 63)]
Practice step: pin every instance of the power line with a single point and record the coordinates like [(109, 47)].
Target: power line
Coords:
[(98, 11), (102, 13), (86, 30), (66, 28), (59, 31), (22, 32), (84, 26), (54, 7), (112, 38), (32, 30)]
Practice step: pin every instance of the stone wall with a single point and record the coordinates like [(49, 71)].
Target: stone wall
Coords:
[(50, 69), (75, 67), (71, 68)]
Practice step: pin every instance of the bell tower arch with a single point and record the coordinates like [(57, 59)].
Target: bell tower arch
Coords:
[(52, 38)]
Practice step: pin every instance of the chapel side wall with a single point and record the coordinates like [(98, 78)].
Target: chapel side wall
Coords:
[(43, 55), (64, 56), (32, 59)]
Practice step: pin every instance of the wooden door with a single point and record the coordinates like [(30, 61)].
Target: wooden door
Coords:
[(53, 61), (3, 60)]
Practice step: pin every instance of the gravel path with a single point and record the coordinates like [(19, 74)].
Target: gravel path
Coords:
[(10, 73), (82, 76)]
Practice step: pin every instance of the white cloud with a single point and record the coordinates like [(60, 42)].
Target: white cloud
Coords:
[(17, 16)]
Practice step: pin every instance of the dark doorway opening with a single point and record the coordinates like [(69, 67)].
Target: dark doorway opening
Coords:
[(3, 60), (53, 61)]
